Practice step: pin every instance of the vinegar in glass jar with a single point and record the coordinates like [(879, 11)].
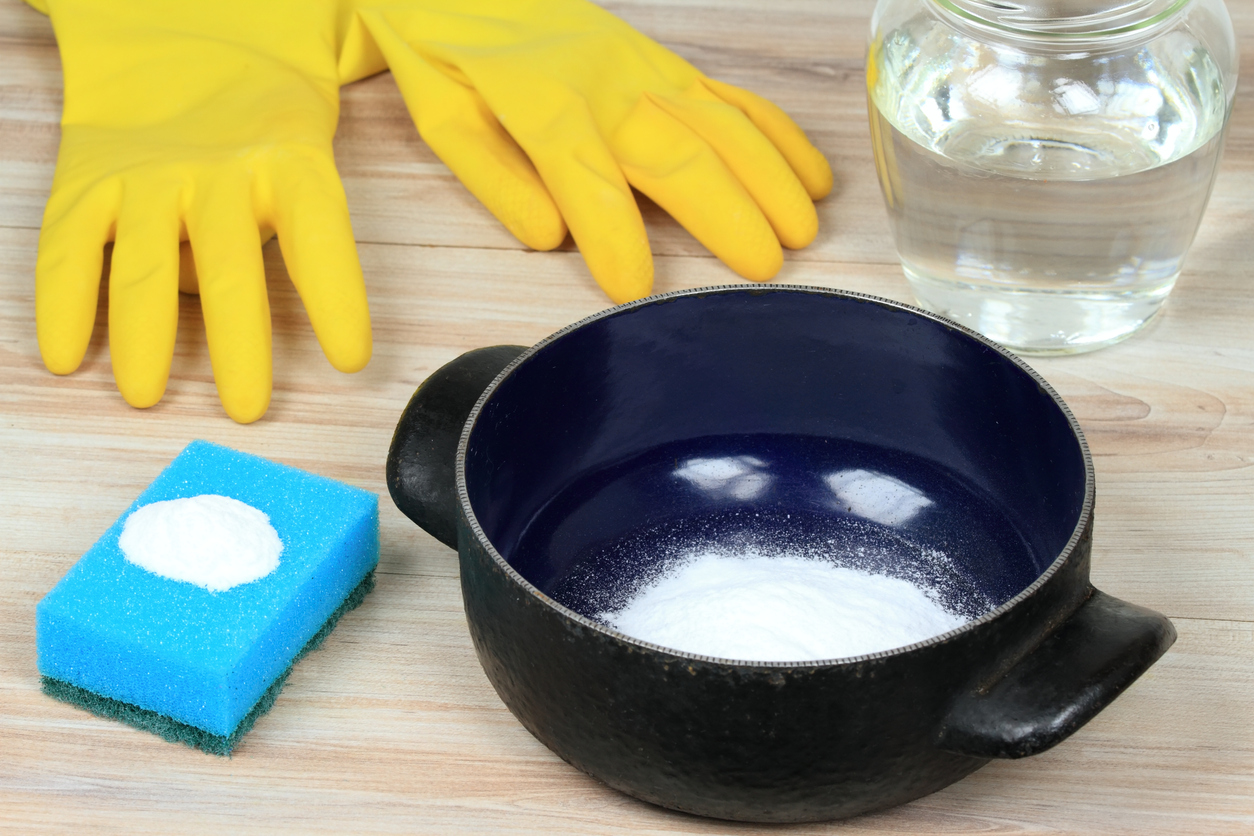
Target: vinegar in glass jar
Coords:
[(1044, 198)]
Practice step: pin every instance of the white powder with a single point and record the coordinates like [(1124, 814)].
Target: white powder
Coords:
[(212, 541), (779, 609)]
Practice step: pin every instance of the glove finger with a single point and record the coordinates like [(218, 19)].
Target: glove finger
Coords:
[(759, 166), (144, 290), (807, 161), (594, 197), (455, 121), (306, 206), (67, 272), (681, 173), (226, 247), (188, 283), (359, 57)]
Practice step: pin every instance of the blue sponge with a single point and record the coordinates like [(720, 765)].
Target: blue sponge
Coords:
[(209, 662)]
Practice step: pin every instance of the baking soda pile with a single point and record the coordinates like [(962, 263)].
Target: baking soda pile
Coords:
[(214, 542), (779, 608)]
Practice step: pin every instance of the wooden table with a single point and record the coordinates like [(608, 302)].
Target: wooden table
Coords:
[(392, 726)]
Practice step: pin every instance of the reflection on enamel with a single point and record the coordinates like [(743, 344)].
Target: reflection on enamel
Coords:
[(740, 477), (875, 496)]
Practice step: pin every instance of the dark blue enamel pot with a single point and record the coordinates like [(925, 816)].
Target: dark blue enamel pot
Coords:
[(771, 415)]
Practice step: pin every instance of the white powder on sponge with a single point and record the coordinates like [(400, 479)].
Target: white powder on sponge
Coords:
[(212, 541), (779, 609)]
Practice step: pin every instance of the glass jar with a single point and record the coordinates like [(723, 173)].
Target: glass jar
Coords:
[(1046, 163)]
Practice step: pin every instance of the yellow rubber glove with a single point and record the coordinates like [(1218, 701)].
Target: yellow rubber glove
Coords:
[(201, 121), (549, 111)]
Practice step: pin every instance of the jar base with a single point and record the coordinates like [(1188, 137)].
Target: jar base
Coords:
[(1041, 322)]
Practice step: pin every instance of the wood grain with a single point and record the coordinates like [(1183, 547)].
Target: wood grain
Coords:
[(392, 727)]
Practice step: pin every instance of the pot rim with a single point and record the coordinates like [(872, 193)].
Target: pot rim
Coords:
[(1086, 510)]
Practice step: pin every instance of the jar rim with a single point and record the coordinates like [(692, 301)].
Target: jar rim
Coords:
[(1097, 22)]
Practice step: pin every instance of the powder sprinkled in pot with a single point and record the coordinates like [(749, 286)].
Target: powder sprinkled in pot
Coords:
[(779, 608)]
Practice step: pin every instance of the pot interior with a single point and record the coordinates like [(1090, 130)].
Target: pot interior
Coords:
[(778, 421)]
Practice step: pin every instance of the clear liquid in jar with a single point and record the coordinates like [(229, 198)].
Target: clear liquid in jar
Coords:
[(1047, 205)]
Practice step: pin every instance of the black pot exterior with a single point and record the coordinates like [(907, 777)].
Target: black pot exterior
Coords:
[(772, 742), (753, 743)]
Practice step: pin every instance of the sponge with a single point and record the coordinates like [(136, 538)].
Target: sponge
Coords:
[(196, 665)]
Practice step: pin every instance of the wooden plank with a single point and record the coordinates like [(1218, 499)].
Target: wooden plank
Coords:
[(391, 727)]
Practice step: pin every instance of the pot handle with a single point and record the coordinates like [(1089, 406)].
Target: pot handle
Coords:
[(1061, 684), (422, 459)]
